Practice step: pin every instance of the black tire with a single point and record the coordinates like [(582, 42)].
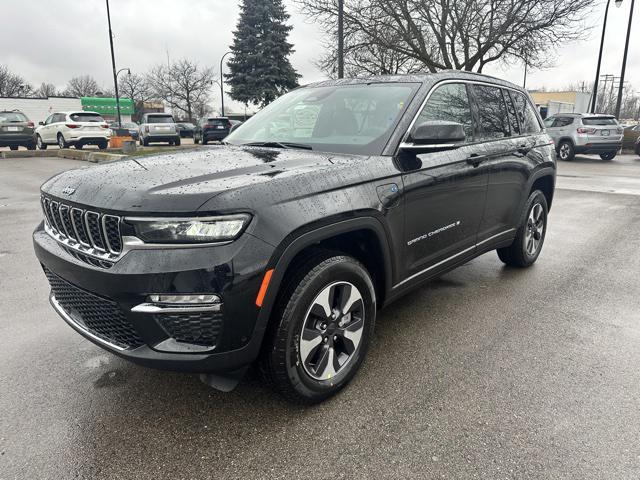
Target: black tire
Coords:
[(281, 362), (62, 143), (566, 151), (608, 156), (518, 254), (204, 141), (103, 145), (30, 146), (145, 142), (195, 139), (177, 142), (40, 143), (13, 147), (140, 140), (79, 146)]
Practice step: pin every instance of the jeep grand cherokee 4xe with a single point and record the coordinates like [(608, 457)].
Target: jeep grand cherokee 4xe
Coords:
[(279, 246)]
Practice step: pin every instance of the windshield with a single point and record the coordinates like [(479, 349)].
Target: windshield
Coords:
[(160, 119), (12, 117), (599, 121), (355, 119)]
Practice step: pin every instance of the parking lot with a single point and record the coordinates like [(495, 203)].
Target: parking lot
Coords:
[(488, 372)]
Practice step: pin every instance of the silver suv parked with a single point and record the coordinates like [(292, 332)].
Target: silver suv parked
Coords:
[(158, 127), (585, 133)]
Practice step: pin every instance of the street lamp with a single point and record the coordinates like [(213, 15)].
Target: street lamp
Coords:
[(222, 83), (594, 99), (340, 38), (624, 60), (113, 63), (117, 96)]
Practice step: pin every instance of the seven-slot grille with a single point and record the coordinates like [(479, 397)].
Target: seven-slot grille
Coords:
[(97, 233)]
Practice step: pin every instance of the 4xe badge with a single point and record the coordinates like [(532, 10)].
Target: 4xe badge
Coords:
[(69, 191)]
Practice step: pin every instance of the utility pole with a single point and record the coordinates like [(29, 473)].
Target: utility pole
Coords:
[(113, 64), (595, 83), (624, 61), (341, 38)]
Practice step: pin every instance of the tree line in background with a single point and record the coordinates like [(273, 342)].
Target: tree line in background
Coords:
[(381, 37)]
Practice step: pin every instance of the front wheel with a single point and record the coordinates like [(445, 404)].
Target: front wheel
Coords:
[(608, 155), (322, 326), (41, 145), (527, 245), (566, 151)]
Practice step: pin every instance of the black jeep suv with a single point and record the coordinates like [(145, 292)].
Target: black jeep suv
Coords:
[(278, 247)]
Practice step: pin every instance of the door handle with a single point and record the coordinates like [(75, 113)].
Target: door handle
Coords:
[(475, 159), (524, 149)]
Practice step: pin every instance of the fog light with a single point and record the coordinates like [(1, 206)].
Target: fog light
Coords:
[(185, 299)]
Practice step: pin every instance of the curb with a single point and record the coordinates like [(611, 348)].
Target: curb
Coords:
[(93, 157), (25, 154)]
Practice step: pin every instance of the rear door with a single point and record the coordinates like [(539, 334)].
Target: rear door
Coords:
[(510, 127), (444, 192)]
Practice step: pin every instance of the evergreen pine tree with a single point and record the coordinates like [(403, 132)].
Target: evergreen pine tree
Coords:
[(260, 71)]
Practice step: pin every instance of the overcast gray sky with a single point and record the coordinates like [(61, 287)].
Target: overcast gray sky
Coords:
[(54, 40)]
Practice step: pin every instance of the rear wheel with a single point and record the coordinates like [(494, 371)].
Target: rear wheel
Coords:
[(566, 151), (608, 155), (145, 142), (41, 145), (527, 245), (31, 146), (13, 147), (177, 142), (204, 140), (195, 139), (62, 143), (321, 329), (102, 145), (79, 146)]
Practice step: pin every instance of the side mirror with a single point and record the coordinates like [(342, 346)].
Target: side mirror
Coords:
[(40, 123), (435, 133)]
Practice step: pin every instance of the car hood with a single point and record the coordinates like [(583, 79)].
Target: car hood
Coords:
[(185, 180)]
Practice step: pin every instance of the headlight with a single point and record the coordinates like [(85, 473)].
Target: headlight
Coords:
[(190, 230)]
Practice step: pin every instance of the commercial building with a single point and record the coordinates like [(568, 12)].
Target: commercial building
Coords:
[(38, 109), (550, 103)]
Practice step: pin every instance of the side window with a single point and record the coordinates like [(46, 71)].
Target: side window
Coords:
[(511, 109), (450, 102), (526, 114), (492, 112), (563, 121), (58, 117)]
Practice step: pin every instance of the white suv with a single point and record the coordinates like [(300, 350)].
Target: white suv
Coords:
[(73, 128), (158, 127)]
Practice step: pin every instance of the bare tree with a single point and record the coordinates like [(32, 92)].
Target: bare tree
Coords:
[(454, 34), (45, 90), (82, 86), (183, 85), (12, 84), (135, 87)]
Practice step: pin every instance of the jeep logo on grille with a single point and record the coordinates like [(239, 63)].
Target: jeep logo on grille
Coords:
[(69, 191)]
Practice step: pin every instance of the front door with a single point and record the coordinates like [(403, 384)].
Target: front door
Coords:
[(444, 190)]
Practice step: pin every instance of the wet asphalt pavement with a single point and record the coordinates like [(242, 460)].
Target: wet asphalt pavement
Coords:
[(488, 372)]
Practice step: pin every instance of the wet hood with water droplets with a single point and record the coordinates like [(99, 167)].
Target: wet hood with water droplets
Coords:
[(185, 180)]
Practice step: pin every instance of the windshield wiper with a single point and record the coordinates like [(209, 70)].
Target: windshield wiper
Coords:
[(300, 146)]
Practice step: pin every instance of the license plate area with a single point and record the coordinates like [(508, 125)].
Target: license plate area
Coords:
[(606, 133)]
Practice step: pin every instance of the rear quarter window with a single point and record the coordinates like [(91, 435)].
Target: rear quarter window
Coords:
[(526, 114)]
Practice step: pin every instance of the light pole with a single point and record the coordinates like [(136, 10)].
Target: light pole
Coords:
[(222, 83), (117, 96), (594, 99), (340, 38), (624, 61), (113, 63)]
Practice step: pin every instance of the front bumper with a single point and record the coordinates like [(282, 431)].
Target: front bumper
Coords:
[(101, 304)]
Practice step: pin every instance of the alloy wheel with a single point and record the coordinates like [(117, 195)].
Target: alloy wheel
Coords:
[(564, 151), (332, 330), (535, 229)]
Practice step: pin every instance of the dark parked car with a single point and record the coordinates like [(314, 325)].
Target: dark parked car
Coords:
[(16, 130), (279, 246), (186, 129), (211, 129), (130, 126)]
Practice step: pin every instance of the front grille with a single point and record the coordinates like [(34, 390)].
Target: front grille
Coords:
[(89, 232), (201, 328), (97, 315)]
